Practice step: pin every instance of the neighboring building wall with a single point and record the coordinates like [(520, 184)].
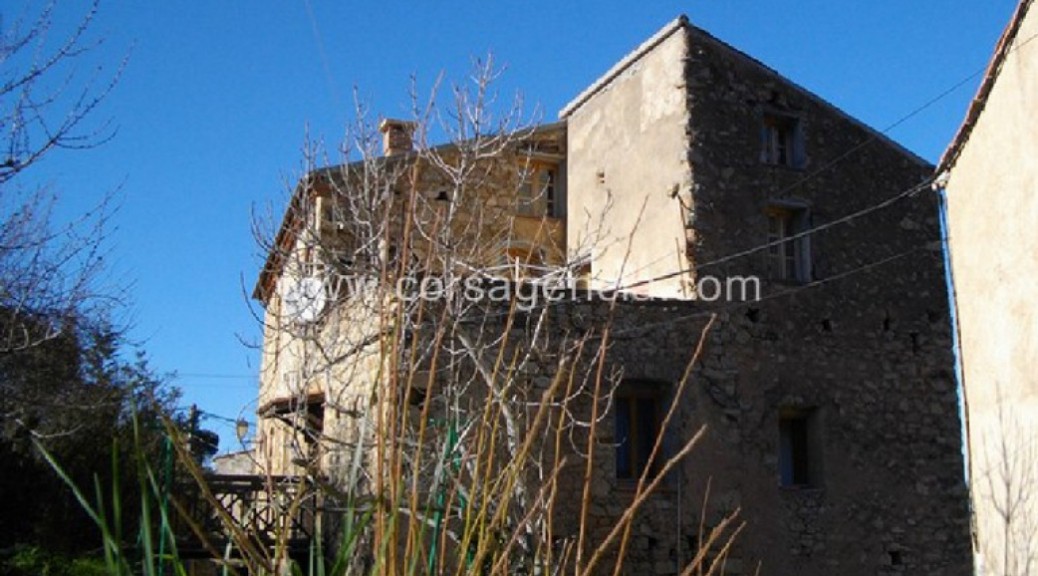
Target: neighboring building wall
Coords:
[(628, 168), (237, 463), (992, 214)]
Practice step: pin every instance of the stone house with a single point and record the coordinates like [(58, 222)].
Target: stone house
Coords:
[(689, 168), (987, 179)]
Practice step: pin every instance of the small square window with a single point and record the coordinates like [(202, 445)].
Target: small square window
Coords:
[(637, 425), (799, 448), (782, 141), (789, 249)]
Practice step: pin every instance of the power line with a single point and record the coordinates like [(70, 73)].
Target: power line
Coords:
[(878, 206), (874, 135), (753, 250), (323, 54), (213, 416), (213, 375), (781, 294)]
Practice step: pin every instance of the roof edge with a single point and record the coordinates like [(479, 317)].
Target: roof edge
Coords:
[(273, 263), (604, 80), (877, 134), (1002, 50)]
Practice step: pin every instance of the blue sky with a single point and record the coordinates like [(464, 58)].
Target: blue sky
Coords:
[(214, 104)]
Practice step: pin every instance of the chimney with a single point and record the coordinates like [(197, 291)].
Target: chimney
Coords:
[(396, 136)]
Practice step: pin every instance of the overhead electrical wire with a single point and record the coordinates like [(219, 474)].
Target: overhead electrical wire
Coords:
[(874, 136), (806, 232), (780, 294)]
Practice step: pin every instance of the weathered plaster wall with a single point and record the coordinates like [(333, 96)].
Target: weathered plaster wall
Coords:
[(627, 169), (992, 213), (338, 356)]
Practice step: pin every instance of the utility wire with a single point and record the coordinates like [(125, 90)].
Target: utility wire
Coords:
[(807, 232), (757, 248), (213, 375), (323, 54), (780, 294), (213, 416), (875, 135)]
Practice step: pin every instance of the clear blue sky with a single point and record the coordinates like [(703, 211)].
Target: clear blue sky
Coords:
[(213, 106)]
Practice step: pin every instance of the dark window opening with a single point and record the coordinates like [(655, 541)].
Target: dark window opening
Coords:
[(895, 558), (304, 417), (799, 457), (314, 426), (547, 184), (638, 413), (781, 141)]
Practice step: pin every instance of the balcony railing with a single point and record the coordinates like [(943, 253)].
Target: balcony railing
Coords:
[(265, 510)]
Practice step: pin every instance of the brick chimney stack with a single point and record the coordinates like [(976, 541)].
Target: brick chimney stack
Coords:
[(396, 136)]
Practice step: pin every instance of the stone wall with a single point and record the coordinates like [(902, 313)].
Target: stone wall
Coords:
[(862, 342), (891, 498), (856, 352)]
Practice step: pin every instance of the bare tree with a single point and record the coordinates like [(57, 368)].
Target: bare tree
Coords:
[(1006, 492), (49, 95), (408, 368), (50, 272)]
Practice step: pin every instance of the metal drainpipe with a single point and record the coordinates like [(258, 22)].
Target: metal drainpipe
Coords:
[(940, 187), (960, 391)]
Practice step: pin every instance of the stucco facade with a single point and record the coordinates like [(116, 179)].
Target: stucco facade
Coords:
[(990, 177), (627, 216), (827, 384)]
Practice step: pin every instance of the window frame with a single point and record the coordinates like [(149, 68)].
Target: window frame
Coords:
[(789, 251), (526, 261), (536, 197), (781, 140), (632, 398)]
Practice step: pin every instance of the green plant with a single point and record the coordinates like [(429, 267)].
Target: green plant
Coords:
[(27, 560), (152, 551), (461, 433)]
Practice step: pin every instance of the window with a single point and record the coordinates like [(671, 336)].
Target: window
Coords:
[(799, 452), (781, 141), (637, 423), (789, 250), (539, 191)]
